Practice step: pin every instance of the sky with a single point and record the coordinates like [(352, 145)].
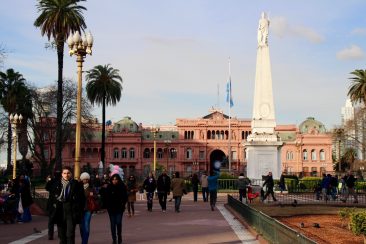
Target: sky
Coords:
[(173, 55)]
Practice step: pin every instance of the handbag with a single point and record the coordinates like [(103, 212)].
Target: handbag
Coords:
[(92, 204), (20, 206)]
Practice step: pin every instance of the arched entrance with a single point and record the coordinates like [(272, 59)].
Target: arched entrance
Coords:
[(218, 156)]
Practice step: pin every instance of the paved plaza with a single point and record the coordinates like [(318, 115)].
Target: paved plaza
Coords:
[(196, 223)]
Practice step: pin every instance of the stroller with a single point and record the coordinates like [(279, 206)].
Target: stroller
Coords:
[(8, 208), (252, 194)]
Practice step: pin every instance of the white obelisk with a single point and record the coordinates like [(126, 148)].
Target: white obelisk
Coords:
[(263, 145)]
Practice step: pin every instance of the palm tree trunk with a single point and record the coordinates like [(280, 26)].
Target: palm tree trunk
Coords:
[(60, 58), (102, 154), (9, 147)]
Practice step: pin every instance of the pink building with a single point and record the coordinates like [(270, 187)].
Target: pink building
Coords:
[(194, 144)]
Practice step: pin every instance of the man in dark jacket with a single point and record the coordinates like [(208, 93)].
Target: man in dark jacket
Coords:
[(270, 184), (69, 201), (350, 180), (51, 203), (163, 187)]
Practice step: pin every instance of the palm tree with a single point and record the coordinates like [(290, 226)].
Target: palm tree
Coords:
[(349, 156), (357, 90), (58, 19), (104, 87), (13, 98)]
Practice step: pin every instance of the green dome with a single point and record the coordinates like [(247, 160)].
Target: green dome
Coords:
[(312, 126), (125, 125)]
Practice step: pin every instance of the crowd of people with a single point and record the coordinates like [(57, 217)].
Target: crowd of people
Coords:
[(69, 202), (72, 202)]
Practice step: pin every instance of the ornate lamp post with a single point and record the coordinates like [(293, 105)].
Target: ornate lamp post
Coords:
[(298, 145), (155, 130), (196, 165), (15, 120), (80, 47)]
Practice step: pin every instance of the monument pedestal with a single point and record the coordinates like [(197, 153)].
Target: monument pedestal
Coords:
[(263, 156)]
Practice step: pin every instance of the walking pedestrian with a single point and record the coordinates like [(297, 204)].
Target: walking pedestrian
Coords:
[(70, 201), (195, 181), (51, 207), (89, 192), (163, 188), (115, 198), (350, 180), (131, 192), (212, 187), (204, 185), (150, 186), (270, 184), (179, 188), (242, 184), (21, 190)]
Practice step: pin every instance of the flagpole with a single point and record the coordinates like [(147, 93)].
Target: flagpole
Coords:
[(229, 103)]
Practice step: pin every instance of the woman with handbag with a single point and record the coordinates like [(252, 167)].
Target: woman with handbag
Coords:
[(89, 208), (131, 191)]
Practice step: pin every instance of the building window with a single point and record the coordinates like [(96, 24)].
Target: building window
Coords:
[(132, 153), (305, 154), (322, 155), (173, 153), (189, 153), (202, 155), (208, 134), (45, 136), (234, 155), (124, 153), (159, 153), (115, 154), (313, 155), (147, 153)]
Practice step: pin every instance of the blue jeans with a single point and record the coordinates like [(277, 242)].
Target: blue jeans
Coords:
[(177, 201), (195, 192), (213, 198), (116, 226), (85, 227)]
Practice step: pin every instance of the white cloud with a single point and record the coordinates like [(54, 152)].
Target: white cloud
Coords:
[(281, 28), (359, 31), (351, 53)]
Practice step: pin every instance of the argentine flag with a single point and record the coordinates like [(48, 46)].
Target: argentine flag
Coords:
[(229, 97)]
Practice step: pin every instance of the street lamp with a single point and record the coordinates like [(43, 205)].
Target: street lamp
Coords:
[(15, 120), (196, 164), (298, 145), (155, 130), (80, 47), (167, 144)]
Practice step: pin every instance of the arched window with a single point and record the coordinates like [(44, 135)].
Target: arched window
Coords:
[(124, 153), (313, 155), (305, 154), (222, 135), (322, 155), (213, 134), (288, 157), (208, 134), (132, 153), (115, 153), (159, 153), (147, 153), (189, 153), (173, 153)]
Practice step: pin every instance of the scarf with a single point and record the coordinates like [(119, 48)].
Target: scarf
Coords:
[(64, 192), (86, 186)]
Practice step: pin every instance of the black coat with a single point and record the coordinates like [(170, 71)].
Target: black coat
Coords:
[(114, 197), (74, 204), (163, 186), (269, 182), (149, 184)]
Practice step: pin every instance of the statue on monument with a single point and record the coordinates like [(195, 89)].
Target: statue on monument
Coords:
[(263, 30)]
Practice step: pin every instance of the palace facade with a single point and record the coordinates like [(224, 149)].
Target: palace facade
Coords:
[(193, 145)]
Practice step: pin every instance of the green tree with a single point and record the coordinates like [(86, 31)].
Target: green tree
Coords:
[(58, 19), (357, 89), (104, 87), (14, 95), (349, 156)]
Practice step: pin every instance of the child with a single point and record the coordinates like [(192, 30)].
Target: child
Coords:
[(141, 193)]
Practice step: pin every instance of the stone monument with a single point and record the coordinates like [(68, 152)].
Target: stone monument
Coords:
[(263, 146)]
